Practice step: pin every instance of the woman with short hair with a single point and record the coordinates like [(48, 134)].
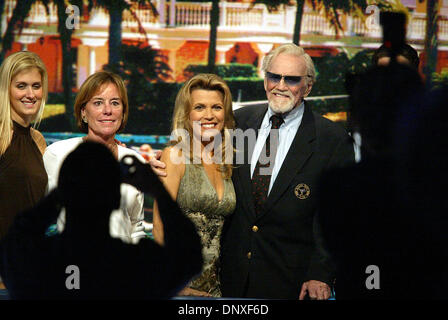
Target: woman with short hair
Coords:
[(101, 110)]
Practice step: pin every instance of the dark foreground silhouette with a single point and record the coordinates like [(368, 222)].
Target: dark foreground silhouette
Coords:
[(84, 262)]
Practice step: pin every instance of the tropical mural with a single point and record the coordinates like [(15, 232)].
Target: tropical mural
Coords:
[(156, 45)]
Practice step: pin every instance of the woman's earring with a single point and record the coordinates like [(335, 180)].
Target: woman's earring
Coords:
[(84, 119)]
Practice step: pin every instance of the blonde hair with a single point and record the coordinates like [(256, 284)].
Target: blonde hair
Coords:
[(91, 86), (293, 49), (182, 109), (11, 67)]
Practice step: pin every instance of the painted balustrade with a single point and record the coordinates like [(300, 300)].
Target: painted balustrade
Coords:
[(417, 26), (443, 29), (234, 16)]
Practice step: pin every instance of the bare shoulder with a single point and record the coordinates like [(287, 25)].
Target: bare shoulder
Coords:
[(39, 140), (175, 169), (174, 161)]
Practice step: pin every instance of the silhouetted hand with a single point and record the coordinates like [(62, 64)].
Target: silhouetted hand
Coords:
[(54, 199), (140, 175)]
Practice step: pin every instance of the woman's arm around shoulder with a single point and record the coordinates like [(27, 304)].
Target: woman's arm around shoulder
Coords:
[(175, 169)]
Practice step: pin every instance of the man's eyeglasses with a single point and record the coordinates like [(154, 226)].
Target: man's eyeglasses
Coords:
[(289, 80)]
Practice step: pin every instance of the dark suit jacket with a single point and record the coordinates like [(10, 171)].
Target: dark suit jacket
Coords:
[(284, 250)]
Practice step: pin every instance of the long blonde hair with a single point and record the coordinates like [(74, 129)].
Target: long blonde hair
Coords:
[(11, 66), (182, 109)]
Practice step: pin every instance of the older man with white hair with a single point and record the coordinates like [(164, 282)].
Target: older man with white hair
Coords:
[(271, 245)]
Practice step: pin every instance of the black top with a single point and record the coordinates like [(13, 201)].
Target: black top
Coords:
[(23, 178)]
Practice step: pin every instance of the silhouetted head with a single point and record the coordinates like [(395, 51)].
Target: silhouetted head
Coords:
[(376, 98), (89, 182)]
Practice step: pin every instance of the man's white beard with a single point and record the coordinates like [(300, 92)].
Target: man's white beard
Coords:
[(281, 107)]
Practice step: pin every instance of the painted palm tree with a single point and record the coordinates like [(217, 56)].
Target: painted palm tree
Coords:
[(432, 17), (16, 22), (213, 35), (115, 8), (18, 17), (214, 23), (67, 56), (145, 74), (2, 9), (331, 8)]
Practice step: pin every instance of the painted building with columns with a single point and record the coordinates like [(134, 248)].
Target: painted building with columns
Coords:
[(181, 33)]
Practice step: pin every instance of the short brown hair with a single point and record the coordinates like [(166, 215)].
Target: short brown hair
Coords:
[(88, 89)]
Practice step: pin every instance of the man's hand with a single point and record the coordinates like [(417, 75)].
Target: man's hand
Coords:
[(316, 290), (193, 293), (158, 166)]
